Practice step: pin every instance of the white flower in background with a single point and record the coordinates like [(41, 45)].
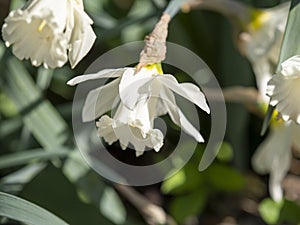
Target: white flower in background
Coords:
[(143, 96), (284, 90), (261, 42), (49, 32), (274, 155)]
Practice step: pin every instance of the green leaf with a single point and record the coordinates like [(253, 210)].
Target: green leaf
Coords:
[(185, 206), (112, 207), (290, 212), (26, 212), (267, 119), (225, 152), (40, 116), (53, 191), (24, 157), (291, 43), (224, 178), (173, 182), (44, 78), (7, 107), (270, 210), (186, 180)]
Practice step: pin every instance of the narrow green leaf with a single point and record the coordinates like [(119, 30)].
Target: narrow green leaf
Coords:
[(44, 78), (110, 200), (40, 117), (291, 42), (267, 120), (26, 212), (24, 157)]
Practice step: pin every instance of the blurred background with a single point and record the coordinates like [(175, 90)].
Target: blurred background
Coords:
[(39, 160)]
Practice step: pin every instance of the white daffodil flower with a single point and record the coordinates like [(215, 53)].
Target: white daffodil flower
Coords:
[(143, 96), (284, 88), (274, 155), (48, 32), (261, 42)]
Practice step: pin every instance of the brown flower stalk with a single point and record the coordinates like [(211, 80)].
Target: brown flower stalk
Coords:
[(155, 47)]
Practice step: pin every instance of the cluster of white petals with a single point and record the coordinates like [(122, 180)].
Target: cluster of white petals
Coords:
[(284, 89), (274, 155), (262, 43), (141, 97), (49, 32)]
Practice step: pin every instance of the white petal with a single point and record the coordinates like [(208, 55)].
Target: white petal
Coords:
[(156, 139), (25, 36), (291, 67), (100, 100), (188, 91), (189, 128), (274, 156), (284, 92), (178, 117), (106, 73), (263, 73), (266, 39), (196, 96), (105, 129), (83, 36), (130, 87), (277, 143), (128, 134)]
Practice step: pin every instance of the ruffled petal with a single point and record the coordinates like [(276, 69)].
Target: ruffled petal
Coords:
[(25, 31), (291, 67), (105, 129), (284, 93), (133, 135)]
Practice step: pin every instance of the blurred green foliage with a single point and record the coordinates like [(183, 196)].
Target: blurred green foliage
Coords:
[(40, 162)]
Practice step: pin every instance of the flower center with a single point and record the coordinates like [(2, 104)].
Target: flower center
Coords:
[(155, 67), (276, 119), (41, 26), (258, 19)]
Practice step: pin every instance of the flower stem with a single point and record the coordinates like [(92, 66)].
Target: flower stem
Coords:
[(174, 7), (239, 13), (155, 43)]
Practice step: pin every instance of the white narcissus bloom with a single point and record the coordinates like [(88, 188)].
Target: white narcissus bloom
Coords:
[(274, 155), (143, 96), (261, 42), (284, 89), (48, 32)]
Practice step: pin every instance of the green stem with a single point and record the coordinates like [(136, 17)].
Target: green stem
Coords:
[(238, 13), (174, 7)]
